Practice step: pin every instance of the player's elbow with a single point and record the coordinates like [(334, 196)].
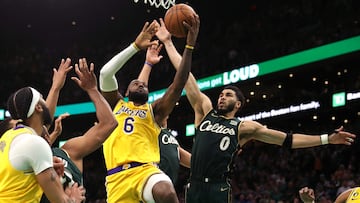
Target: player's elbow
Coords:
[(112, 125), (103, 73), (107, 128)]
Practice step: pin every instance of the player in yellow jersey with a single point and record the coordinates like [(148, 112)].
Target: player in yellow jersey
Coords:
[(172, 155), (75, 149), (132, 149), (26, 158), (351, 195)]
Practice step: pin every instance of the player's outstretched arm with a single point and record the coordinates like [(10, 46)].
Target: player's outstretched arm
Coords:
[(249, 130), (164, 106), (81, 146), (57, 128), (58, 81), (199, 101), (107, 79), (152, 58)]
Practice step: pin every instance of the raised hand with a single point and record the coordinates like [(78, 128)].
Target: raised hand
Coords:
[(76, 192), (59, 166), (193, 30), (163, 34), (59, 75), (143, 40), (58, 81), (57, 128), (152, 54), (307, 195), (341, 137), (86, 77)]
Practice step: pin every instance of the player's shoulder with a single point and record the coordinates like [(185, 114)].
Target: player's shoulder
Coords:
[(33, 140), (31, 145), (28, 137)]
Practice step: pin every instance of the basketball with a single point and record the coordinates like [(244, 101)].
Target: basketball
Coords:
[(174, 18)]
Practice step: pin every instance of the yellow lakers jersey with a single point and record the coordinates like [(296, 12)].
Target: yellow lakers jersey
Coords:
[(15, 185), (135, 139), (354, 196)]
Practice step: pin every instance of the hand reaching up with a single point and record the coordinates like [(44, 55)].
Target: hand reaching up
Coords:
[(86, 77), (143, 40)]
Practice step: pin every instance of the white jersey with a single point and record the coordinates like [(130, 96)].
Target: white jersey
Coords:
[(30, 153)]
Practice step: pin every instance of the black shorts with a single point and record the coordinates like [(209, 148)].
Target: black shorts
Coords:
[(208, 192)]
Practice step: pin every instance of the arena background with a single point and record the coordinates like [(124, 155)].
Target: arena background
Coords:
[(35, 35)]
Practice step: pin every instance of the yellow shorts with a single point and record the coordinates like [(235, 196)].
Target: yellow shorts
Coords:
[(127, 186)]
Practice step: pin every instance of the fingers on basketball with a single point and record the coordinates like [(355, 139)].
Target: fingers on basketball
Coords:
[(174, 18)]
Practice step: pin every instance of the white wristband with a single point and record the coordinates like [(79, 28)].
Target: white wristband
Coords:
[(324, 138)]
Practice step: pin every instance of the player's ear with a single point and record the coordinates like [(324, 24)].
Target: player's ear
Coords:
[(38, 107), (238, 104)]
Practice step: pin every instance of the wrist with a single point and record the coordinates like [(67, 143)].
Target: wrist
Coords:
[(187, 46), (149, 64), (55, 88), (324, 139), (135, 46)]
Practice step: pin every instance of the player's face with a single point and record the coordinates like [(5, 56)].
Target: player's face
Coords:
[(226, 102), (138, 91)]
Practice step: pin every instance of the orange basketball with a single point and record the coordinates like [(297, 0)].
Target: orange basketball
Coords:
[(174, 18)]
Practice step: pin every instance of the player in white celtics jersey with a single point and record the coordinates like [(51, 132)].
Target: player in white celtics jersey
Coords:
[(351, 195), (219, 133), (132, 150)]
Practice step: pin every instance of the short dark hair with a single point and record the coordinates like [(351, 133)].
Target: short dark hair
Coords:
[(18, 103), (240, 96)]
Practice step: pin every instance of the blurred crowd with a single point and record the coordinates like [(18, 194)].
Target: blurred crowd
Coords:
[(267, 173), (273, 174), (258, 32)]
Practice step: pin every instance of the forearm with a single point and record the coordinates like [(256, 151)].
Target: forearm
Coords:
[(191, 87), (50, 183), (182, 74), (173, 93), (107, 78), (145, 73), (304, 141), (173, 54), (52, 138), (104, 113), (338, 136), (185, 157), (52, 99)]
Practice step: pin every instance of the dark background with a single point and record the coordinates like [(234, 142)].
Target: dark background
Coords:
[(35, 35)]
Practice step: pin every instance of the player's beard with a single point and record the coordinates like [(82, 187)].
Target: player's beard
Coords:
[(226, 110), (47, 119), (138, 97)]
